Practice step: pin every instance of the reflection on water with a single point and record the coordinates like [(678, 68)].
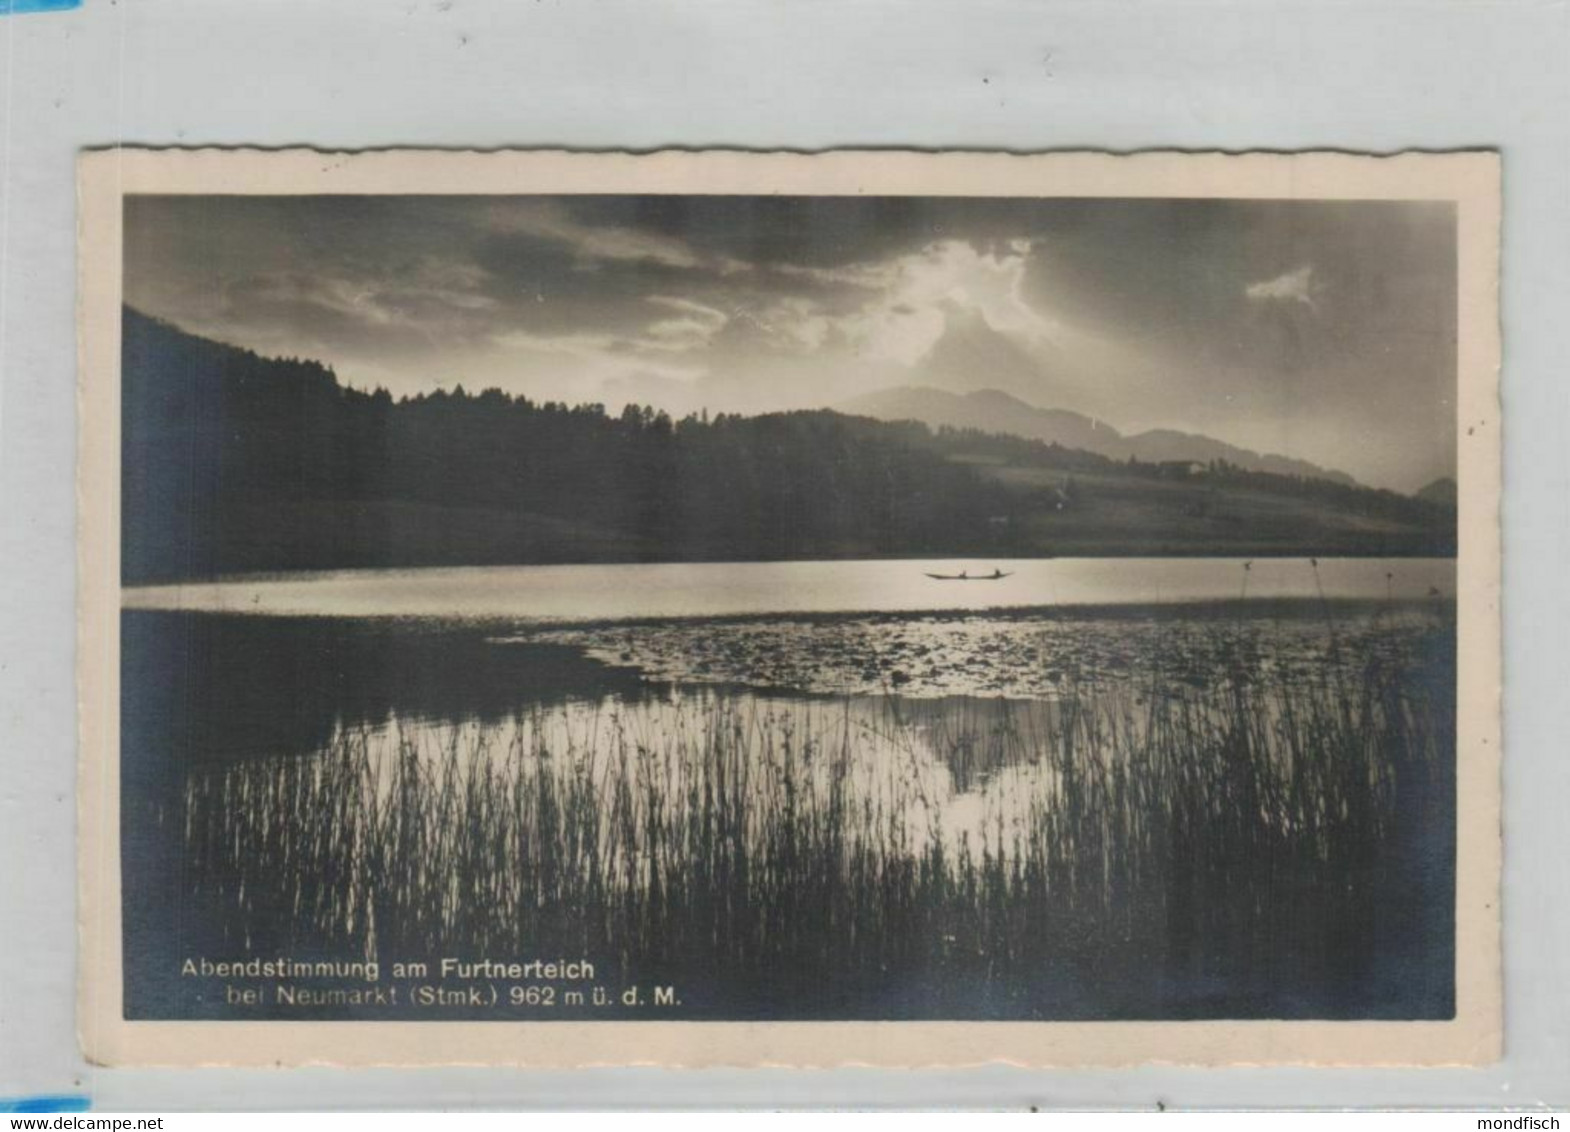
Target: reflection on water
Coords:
[(950, 767), (723, 589), (201, 687), (1235, 811), (1028, 655)]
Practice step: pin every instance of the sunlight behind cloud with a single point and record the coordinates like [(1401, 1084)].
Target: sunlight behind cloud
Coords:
[(913, 294)]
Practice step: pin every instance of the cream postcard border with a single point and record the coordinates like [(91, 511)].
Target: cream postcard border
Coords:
[(1470, 180)]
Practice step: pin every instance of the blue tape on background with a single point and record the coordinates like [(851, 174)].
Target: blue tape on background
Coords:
[(17, 7), (52, 1102)]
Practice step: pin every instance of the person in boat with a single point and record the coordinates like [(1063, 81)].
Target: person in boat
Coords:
[(997, 572), (964, 573)]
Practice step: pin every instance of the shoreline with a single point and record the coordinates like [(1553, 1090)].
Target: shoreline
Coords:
[(1253, 609)]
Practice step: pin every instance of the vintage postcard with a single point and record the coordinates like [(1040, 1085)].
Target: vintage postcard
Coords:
[(774, 609)]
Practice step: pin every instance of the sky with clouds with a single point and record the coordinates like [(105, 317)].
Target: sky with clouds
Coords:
[(1322, 330)]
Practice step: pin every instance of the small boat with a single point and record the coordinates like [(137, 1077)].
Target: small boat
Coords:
[(966, 576)]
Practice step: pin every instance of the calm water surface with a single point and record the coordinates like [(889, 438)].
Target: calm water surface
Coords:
[(710, 589)]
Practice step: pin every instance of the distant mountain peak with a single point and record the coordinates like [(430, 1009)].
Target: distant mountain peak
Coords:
[(972, 355), (997, 410)]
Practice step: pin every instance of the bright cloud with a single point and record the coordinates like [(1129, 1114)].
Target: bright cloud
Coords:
[(549, 220), (910, 297), (692, 328)]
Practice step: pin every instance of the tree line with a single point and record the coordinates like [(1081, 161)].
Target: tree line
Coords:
[(236, 462)]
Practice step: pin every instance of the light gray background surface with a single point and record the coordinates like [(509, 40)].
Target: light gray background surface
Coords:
[(802, 74)]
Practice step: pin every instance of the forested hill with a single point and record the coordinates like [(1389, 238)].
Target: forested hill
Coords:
[(236, 463)]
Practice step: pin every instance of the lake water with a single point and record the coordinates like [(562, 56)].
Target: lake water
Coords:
[(616, 592), (1074, 770)]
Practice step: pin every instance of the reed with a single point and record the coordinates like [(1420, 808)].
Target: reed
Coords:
[(1256, 845)]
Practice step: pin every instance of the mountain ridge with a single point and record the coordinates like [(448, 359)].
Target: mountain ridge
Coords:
[(996, 410), (1442, 491)]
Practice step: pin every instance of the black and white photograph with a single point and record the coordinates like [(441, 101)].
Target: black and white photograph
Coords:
[(984, 601)]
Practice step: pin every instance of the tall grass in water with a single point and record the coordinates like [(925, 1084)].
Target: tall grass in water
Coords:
[(1253, 847)]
